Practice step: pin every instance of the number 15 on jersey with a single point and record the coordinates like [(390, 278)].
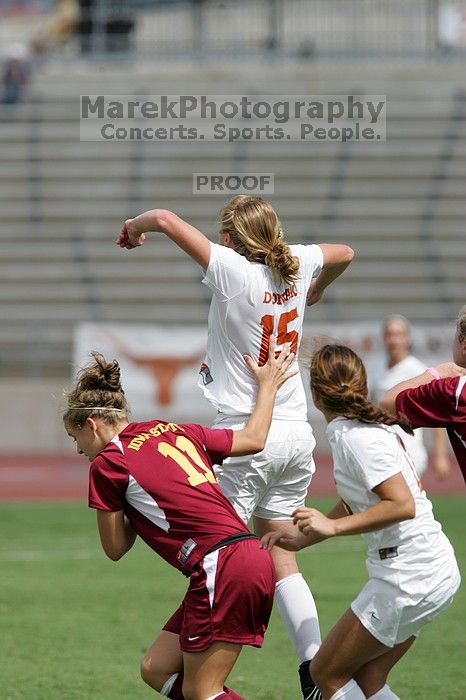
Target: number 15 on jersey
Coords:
[(283, 334)]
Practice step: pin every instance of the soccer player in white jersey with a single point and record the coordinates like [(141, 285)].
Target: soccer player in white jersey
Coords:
[(402, 365), (413, 574), (260, 286)]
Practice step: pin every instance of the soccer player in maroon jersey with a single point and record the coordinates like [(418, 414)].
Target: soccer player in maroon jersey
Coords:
[(437, 397), (155, 480)]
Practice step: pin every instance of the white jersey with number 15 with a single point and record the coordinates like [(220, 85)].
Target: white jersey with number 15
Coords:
[(249, 305)]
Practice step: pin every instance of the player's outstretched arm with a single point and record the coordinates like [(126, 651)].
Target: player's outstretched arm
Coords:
[(395, 505), (300, 540), (269, 378), (187, 237), (446, 369), (336, 259), (277, 538)]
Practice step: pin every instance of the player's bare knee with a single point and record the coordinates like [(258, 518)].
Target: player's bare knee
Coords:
[(145, 670), (152, 675)]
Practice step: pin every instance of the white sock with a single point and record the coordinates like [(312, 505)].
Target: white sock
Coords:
[(299, 614), (384, 693), (168, 685), (350, 691)]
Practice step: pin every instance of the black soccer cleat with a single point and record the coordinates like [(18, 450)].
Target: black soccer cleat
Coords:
[(308, 688)]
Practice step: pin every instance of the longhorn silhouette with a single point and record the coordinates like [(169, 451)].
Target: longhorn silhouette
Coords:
[(163, 368)]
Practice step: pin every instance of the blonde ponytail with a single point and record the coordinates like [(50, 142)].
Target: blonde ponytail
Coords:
[(256, 233)]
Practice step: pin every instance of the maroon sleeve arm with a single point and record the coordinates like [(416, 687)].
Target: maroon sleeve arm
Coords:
[(430, 405), (217, 443), (108, 481)]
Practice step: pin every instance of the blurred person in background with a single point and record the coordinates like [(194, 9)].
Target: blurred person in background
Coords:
[(59, 26), (260, 285), (16, 73), (437, 397), (401, 365)]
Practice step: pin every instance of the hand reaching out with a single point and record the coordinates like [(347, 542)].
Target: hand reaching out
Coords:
[(310, 520), (275, 369), (280, 539)]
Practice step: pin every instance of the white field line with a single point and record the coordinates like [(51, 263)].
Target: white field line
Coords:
[(49, 555)]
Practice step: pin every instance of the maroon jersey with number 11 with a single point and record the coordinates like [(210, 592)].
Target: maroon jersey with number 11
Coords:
[(160, 474)]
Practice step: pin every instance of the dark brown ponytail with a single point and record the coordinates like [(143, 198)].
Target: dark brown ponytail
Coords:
[(339, 382)]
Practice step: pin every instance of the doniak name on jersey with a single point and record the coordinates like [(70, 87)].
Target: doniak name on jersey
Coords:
[(274, 298)]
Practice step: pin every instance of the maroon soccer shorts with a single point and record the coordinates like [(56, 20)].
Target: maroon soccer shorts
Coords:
[(229, 598)]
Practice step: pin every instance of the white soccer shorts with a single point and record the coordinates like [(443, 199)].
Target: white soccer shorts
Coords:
[(271, 483), (392, 616)]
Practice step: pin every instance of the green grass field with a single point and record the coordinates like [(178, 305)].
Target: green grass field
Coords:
[(74, 624)]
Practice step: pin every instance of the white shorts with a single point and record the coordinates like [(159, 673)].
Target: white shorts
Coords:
[(271, 483), (391, 615)]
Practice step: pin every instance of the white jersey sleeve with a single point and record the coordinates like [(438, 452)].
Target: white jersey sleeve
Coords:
[(370, 461), (248, 305), (227, 272)]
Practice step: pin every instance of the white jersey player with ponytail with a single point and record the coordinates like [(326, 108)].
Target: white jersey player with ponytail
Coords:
[(413, 573), (260, 287)]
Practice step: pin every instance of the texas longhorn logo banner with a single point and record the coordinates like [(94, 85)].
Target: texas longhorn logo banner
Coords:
[(161, 365)]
